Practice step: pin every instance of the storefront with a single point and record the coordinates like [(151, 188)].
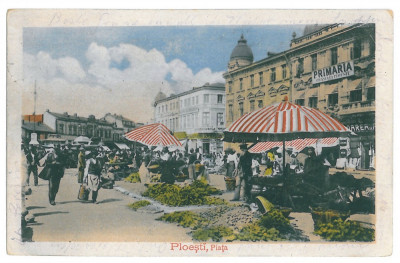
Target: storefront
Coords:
[(362, 145)]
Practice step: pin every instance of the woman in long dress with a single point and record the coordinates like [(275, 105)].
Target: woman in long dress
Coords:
[(231, 162)]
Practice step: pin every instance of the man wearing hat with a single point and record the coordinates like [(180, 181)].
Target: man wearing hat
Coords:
[(92, 174), (81, 164), (245, 162)]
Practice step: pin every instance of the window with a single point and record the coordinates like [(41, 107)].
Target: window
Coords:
[(355, 95), (230, 110), (261, 76), (61, 128), (371, 93), (284, 72), (206, 98), (166, 108), (240, 84), (206, 119), (159, 109), (177, 105), (252, 104), (197, 100), (334, 56), (192, 100), (355, 51), (74, 129), (300, 102), (252, 81), (260, 104), (241, 108), (312, 102), (230, 86), (273, 74), (219, 98), (70, 129), (332, 99), (314, 62), (220, 119), (300, 67)]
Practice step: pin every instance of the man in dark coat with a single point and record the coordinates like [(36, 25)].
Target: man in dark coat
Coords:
[(33, 162), (55, 160), (245, 162)]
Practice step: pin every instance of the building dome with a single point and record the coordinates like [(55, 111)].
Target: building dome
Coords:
[(242, 51), (160, 96)]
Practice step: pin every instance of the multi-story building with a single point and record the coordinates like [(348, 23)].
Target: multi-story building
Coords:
[(71, 126), (196, 116), (167, 111), (120, 121), (330, 68)]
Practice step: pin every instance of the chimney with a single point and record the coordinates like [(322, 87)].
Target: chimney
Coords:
[(75, 115), (66, 113)]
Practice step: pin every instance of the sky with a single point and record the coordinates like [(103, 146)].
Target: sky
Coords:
[(96, 70)]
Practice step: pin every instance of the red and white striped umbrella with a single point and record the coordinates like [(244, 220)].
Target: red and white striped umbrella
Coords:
[(153, 135), (283, 121)]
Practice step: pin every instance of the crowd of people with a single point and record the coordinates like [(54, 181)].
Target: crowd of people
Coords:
[(92, 162)]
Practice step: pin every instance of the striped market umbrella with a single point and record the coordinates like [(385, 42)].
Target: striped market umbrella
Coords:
[(156, 134), (283, 121)]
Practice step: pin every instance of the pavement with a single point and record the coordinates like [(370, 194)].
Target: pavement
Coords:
[(71, 220)]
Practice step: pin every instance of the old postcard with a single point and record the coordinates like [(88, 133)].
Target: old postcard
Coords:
[(199, 132)]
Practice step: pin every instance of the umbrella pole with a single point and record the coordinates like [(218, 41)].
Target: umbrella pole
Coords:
[(285, 179)]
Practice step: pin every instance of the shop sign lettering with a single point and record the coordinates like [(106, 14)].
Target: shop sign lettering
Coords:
[(361, 127), (338, 71)]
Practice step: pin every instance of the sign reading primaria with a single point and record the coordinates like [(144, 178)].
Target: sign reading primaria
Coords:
[(337, 71)]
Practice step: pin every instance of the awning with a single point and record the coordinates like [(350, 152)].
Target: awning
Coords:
[(264, 146), (371, 82), (299, 144), (180, 135), (296, 145), (328, 142), (122, 146)]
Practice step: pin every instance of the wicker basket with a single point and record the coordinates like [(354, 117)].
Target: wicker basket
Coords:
[(230, 184)]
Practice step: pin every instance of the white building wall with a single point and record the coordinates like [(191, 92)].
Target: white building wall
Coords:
[(50, 120)]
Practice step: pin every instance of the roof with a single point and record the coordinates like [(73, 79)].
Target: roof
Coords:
[(67, 117), (214, 86), (36, 126), (242, 50)]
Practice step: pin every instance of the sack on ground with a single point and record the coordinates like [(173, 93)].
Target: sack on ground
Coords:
[(83, 193), (45, 173)]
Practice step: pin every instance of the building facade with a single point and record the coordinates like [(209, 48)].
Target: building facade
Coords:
[(196, 117), (71, 126), (330, 68), (120, 121)]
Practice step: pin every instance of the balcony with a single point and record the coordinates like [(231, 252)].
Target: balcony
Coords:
[(357, 107)]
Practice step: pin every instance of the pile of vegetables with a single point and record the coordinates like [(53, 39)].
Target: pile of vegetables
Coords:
[(197, 193), (185, 219), (133, 178), (349, 230), (136, 205), (272, 226)]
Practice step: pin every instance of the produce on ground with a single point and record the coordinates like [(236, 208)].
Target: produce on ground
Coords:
[(136, 205), (197, 193), (133, 178), (340, 230)]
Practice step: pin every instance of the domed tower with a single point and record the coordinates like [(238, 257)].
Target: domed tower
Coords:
[(241, 55), (160, 96)]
